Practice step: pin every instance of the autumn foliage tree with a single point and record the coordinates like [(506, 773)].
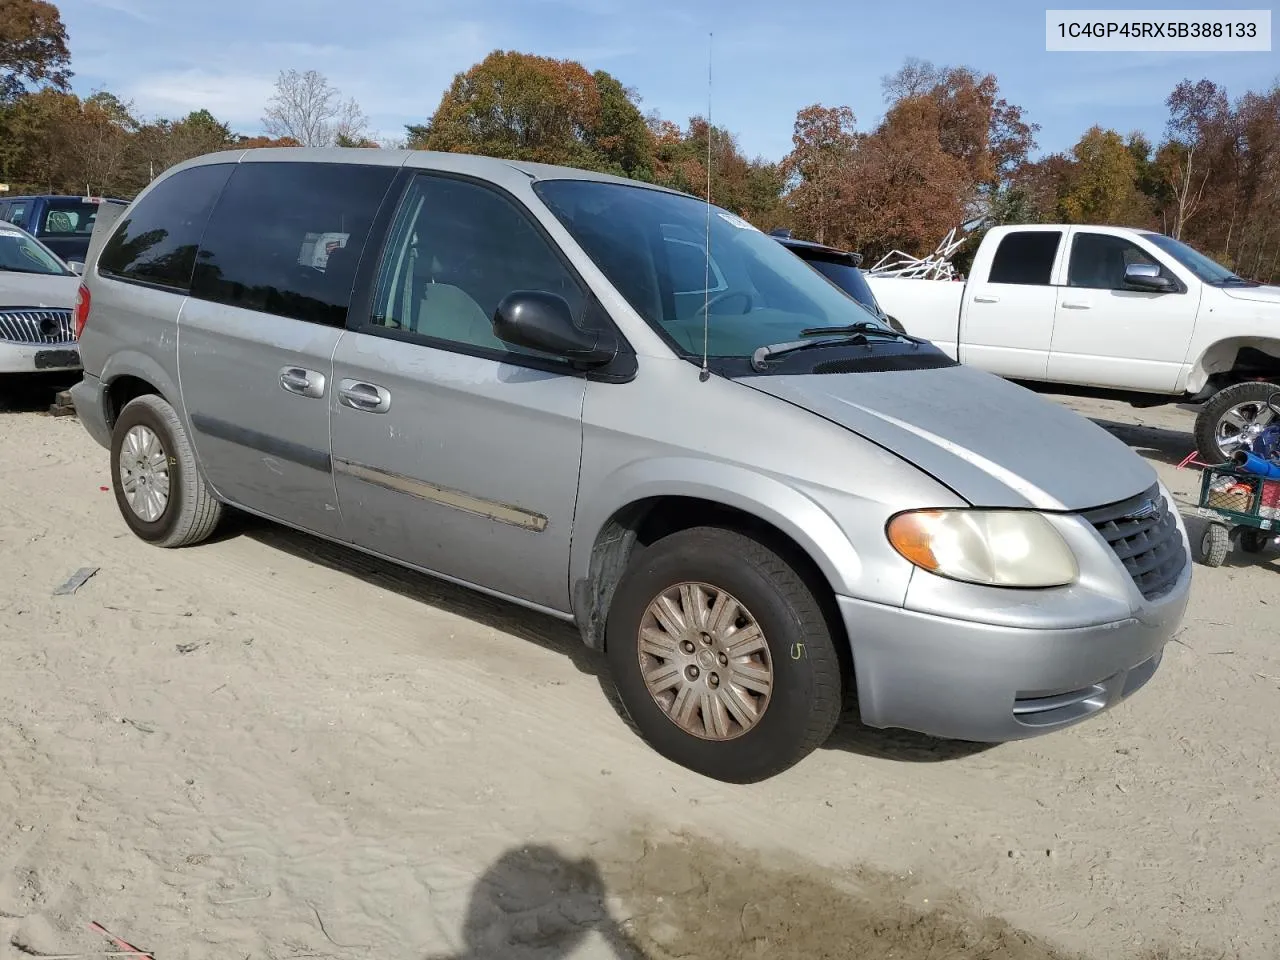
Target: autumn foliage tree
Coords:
[(824, 144), (521, 107), (33, 48)]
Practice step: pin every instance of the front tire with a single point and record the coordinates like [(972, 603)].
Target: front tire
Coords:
[(722, 655), (158, 487), (1230, 418)]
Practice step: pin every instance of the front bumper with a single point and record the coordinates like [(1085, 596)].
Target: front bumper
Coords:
[(38, 358), (990, 683)]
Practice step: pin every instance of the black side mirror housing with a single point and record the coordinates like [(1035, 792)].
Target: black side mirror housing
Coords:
[(1146, 276), (542, 321)]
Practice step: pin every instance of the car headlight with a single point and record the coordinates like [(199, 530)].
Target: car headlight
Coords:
[(999, 548)]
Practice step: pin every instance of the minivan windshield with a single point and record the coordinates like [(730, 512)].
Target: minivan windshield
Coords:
[(20, 254), (652, 246)]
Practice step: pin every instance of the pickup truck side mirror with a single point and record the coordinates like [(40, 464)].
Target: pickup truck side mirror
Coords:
[(1146, 276), (543, 321), (76, 267)]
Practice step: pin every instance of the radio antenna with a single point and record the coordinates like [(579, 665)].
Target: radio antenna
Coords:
[(705, 374)]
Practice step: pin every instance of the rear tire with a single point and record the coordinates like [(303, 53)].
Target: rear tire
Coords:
[(1212, 419), (706, 615), (158, 487)]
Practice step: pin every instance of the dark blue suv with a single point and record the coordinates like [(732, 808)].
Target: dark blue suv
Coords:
[(62, 223)]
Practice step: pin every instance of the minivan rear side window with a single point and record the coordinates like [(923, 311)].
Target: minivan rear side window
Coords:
[(157, 242), (1026, 257), (286, 238)]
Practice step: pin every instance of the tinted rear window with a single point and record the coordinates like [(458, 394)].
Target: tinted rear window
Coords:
[(286, 238), (1026, 257), (157, 242), (67, 218), (848, 278)]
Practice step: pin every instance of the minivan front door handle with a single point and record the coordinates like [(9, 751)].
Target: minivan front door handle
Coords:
[(367, 397), (303, 382)]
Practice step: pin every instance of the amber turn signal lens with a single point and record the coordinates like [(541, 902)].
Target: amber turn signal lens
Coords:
[(911, 535)]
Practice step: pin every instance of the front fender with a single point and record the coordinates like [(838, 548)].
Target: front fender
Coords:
[(798, 516)]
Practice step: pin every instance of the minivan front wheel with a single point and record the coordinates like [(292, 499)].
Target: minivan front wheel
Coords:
[(722, 655), (159, 490)]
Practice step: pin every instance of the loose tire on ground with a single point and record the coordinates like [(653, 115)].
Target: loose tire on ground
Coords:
[(691, 569), (191, 513), (1211, 414), (1214, 545)]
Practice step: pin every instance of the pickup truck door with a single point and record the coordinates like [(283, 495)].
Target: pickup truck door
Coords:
[(1006, 324), (1109, 335)]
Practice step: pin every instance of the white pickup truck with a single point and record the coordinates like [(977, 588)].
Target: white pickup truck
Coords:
[(1112, 311)]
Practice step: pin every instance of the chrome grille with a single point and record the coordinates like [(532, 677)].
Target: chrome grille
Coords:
[(37, 326), (1143, 532)]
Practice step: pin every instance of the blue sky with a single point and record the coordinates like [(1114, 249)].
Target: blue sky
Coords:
[(770, 59)]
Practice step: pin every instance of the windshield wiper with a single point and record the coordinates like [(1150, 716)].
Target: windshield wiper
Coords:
[(854, 333), (23, 270), (1233, 280), (862, 327)]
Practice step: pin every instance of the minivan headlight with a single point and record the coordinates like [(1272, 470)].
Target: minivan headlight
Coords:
[(999, 548)]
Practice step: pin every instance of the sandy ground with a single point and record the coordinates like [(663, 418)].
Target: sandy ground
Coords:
[(266, 747)]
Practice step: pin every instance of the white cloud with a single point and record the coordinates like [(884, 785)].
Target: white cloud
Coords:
[(235, 98)]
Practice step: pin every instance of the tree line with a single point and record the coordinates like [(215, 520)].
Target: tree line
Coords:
[(950, 150)]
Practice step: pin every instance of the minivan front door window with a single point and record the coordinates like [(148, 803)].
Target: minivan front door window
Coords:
[(456, 250)]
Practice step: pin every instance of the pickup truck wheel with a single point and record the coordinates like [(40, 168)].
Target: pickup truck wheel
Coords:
[(722, 655), (158, 487), (1232, 419)]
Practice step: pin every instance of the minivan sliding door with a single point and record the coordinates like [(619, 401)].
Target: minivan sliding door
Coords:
[(268, 305)]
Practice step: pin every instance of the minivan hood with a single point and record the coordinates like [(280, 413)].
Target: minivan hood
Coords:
[(1263, 294), (37, 290), (992, 442)]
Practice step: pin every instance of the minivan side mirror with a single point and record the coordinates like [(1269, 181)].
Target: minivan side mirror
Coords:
[(76, 267), (543, 321), (1146, 276)]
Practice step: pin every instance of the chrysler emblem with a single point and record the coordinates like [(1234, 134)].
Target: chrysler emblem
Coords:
[(1147, 509)]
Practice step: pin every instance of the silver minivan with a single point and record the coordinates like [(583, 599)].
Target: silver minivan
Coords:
[(626, 408)]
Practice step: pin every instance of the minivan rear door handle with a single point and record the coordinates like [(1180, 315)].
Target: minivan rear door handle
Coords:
[(985, 298), (1076, 305), (303, 382), (368, 397)]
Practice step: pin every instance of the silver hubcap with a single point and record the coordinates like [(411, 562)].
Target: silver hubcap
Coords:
[(144, 473), (1241, 425), (705, 661)]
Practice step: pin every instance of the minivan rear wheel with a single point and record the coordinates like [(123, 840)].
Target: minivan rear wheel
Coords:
[(722, 655), (158, 487)]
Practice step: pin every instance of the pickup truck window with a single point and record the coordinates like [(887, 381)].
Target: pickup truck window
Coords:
[(1098, 261), (1026, 257), (1205, 269)]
